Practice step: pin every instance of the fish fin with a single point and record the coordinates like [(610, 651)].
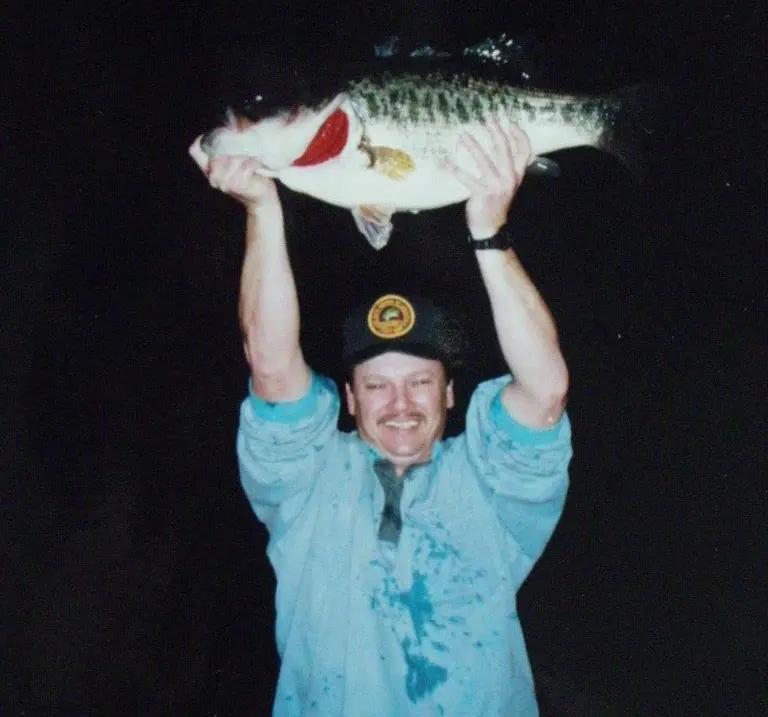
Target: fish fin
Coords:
[(392, 163), (636, 125), (544, 166), (506, 51), (512, 56), (388, 47), (392, 46), (374, 223)]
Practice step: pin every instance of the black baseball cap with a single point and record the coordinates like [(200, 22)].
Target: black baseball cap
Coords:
[(395, 322)]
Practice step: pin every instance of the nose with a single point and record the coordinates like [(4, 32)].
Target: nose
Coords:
[(402, 398)]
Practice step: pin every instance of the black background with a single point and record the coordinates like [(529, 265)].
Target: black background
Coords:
[(135, 578)]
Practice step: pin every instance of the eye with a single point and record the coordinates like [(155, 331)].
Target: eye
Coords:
[(424, 381)]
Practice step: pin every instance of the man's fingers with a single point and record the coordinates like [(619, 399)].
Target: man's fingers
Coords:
[(504, 148), (510, 151), (200, 157), (488, 169), (232, 173), (469, 181), (521, 154)]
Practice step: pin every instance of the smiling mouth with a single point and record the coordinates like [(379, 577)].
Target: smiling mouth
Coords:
[(402, 425)]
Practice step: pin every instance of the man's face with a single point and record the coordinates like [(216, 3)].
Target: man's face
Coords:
[(400, 403)]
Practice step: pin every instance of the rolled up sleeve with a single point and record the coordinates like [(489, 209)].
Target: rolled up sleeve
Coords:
[(280, 450), (522, 471)]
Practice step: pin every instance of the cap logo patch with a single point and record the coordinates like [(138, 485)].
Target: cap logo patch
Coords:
[(391, 317)]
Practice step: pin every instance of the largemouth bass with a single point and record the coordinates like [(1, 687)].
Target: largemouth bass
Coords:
[(377, 145)]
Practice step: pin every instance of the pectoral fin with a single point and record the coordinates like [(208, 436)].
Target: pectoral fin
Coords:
[(374, 223), (392, 163), (543, 166)]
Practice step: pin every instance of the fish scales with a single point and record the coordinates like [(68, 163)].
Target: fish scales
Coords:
[(429, 112), (463, 100), (377, 147)]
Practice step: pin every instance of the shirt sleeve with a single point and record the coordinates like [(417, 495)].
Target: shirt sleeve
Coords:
[(280, 450), (522, 471)]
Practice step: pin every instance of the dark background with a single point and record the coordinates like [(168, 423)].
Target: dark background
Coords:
[(135, 579)]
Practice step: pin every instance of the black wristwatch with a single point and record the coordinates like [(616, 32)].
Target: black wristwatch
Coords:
[(497, 241)]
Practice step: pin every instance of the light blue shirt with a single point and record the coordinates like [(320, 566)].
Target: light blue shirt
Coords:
[(425, 625)]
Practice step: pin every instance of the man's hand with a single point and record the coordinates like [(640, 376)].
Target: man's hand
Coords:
[(237, 177), (500, 177)]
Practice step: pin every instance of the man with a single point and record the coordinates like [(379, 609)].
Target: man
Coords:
[(398, 554)]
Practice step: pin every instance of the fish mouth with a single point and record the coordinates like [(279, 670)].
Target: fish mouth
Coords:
[(208, 140), (328, 142), (301, 137), (235, 124)]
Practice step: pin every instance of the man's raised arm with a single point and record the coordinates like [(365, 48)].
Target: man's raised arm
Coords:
[(524, 325), (268, 306)]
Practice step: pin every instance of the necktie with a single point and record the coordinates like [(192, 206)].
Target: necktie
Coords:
[(391, 521)]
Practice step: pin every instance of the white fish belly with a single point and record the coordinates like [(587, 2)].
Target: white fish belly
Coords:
[(345, 182), (344, 186)]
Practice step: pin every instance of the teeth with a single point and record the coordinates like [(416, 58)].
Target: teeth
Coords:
[(402, 424)]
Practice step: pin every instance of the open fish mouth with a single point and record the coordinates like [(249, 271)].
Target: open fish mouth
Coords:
[(299, 137), (328, 142)]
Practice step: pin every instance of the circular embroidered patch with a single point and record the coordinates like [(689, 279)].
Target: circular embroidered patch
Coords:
[(391, 317)]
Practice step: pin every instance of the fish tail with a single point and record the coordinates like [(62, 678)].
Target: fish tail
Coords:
[(635, 124)]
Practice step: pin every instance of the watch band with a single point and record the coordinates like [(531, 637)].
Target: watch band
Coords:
[(497, 241)]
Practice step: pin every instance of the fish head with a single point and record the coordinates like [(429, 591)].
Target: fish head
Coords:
[(278, 138)]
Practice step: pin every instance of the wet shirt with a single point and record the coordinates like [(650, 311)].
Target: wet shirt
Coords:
[(398, 598)]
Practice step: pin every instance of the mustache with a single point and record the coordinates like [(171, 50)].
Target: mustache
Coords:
[(409, 416)]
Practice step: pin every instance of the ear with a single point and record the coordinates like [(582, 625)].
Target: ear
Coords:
[(449, 398), (350, 399)]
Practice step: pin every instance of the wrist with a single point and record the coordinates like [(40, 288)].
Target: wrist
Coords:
[(264, 211), (499, 241), (264, 226), (264, 214), (265, 203)]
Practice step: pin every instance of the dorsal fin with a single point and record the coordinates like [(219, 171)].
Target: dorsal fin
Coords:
[(514, 58)]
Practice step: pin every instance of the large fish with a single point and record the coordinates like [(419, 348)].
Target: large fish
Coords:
[(376, 145)]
